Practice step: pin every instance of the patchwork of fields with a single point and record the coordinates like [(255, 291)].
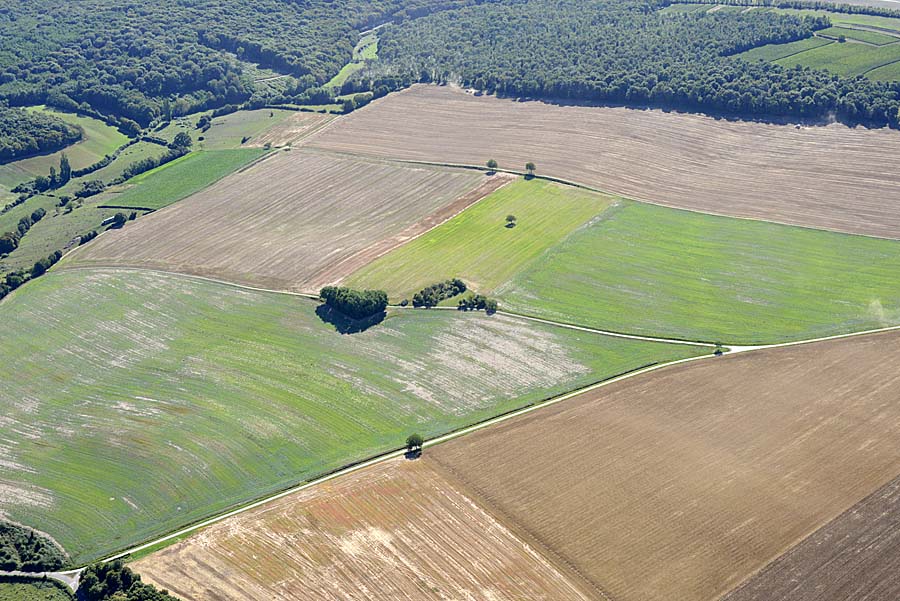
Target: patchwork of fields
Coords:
[(829, 177), (173, 398), (285, 221)]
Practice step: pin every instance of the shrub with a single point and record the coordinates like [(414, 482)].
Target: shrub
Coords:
[(434, 294)]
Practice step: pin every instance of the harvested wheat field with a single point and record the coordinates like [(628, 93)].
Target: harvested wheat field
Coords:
[(398, 530), (854, 558), (291, 129), (681, 484), (287, 222), (830, 177)]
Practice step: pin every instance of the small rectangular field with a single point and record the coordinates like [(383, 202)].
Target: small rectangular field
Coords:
[(397, 531), (682, 483), (830, 177), (847, 59), (854, 558), (292, 221), (136, 402)]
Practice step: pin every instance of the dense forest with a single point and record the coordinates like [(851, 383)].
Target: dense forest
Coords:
[(142, 60), (25, 550), (114, 581), (626, 52), (24, 133)]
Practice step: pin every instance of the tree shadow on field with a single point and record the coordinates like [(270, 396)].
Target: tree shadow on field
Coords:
[(346, 325)]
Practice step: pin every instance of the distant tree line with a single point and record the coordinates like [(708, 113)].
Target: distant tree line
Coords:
[(356, 304), (628, 52), (430, 296), (24, 133), (9, 241), (25, 550), (114, 581)]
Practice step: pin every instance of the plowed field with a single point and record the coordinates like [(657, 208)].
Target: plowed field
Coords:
[(681, 484), (396, 531), (830, 177), (285, 220)]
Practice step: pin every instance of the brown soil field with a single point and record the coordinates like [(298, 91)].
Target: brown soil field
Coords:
[(829, 177), (286, 220), (291, 129), (682, 483), (395, 531), (854, 558)]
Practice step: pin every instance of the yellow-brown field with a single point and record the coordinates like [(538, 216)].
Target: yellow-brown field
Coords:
[(830, 177)]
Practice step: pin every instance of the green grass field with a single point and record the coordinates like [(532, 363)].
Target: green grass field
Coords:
[(773, 52), (889, 72), (664, 272), (862, 35), (227, 131), (477, 247), (172, 398), (847, 59), (366, 49), (36, 591), (890, 24), (180, 178)]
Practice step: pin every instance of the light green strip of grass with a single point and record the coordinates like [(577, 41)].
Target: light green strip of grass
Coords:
[(871, 37), (366, 49), (663, 272), (139, 402), (477, 246), (773, 52), (845, 59), (180, 178)]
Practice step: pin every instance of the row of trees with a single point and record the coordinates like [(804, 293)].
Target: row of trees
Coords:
[(627, 52), (24, 133), (430, 296), (478, 302), (9, 241), (114, 581), (356, 304)]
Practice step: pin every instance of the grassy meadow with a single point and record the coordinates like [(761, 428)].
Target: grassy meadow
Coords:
[(477, 246), (180, 178), (173, 398), (774, 52), (847, 59), (33, 591), (665, 272), (366, 49)]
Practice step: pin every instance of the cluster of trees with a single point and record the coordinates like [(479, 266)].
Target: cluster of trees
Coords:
[(478, 302), (628, 52), (24, 133), (142, 61), (22, 549), (356, 304), (10, 240), (90, 188), (434, 294), (115, 582)]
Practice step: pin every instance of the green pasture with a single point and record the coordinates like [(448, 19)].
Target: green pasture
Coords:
[(861, 35), (366, 49), (142, 401), (890, 72), (180, 178), (227, 131), (774, 52), (476, 245), (847, 59), (37, 590), (651, 270)]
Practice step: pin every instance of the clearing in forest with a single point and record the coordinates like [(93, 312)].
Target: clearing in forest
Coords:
[(396, 531), (479, 245), (682, 483), (288, 222), (172, 398), (830, 177)]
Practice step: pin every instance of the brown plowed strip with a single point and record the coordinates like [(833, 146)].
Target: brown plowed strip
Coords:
[(854, 558), (829, 177), (396, 531), (682, 483), (333, 274)]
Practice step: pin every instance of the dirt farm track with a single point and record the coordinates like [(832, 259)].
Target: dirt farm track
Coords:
[(828, 177)]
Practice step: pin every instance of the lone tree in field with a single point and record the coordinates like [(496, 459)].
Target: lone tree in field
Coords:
[(182, 140), (414, 443), (510, 221), (530, 167), (492, 165)]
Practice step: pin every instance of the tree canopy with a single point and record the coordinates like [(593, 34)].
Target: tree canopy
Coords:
[(24, 133)]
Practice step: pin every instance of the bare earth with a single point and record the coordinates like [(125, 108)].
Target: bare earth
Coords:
[(284, 221), (830, 177), (290, 130), (396, 531), (854, 558), (681, 484)]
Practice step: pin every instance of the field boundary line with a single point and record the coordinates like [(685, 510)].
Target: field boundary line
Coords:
[(387, 456)]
